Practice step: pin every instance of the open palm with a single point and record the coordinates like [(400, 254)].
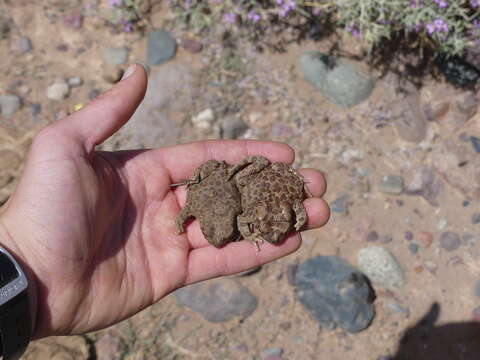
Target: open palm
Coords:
[(96, 230)]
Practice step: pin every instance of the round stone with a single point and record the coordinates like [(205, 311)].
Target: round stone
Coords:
[(58, 91), (450, 241)]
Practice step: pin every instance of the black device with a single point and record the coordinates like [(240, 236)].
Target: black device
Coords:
[(15, 317)]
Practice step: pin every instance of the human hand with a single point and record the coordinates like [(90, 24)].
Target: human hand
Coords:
[(96, 230)]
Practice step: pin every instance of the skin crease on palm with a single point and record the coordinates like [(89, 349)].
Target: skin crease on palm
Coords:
[(95, 231)]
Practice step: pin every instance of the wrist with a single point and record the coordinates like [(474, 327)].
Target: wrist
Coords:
[(14, 248)]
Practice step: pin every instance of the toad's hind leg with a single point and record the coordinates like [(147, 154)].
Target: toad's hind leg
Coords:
[(300, 214), (183, 216)]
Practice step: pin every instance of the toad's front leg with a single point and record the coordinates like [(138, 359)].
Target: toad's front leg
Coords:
[(245, 225)]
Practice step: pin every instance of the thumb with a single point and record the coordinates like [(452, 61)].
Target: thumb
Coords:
[(100, 119)]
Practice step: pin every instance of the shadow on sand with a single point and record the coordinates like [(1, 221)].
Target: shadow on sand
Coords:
[(427, 341)]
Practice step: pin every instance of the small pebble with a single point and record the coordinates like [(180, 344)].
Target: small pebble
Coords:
[(413, 248), (477, 288), (35, 109), (75, 81), (408, 235), (385, 239), (372, 236), (73, 20), (476, 314), (442, 224), (233, 128), (341, 204), (62, 47), (398, 309), (469, 239), (58, 91), (204, 119), (391, 184), (454, 261), (9, 104), (476, 218), (115, 56), (465, 203), (475, 143), (425, 238), (191, 45), (93, 94), (272, 352), (431, 266), (25, 44), (449, 241)]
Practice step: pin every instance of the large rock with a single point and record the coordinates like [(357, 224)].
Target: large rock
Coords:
[(158, 121), (335, 293), (161, 47), (337, 79), (218, 300), (380, 266)]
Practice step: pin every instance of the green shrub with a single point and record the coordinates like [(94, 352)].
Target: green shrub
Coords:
[(449, 26)]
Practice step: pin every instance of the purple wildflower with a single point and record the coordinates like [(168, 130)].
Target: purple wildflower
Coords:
[(113, 3), (475, 3), (442, 4), (285, 7), (353, 29), (255, 17), (230, 18)]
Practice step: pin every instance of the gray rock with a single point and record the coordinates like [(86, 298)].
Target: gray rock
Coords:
[(413, 248), (35, 109), (204, 119), (272, 352), (450, 241), (380, 266), (171, 92), (335, 293), (476, 218), (385, 239), (477, 288), (161, 47), (391, 184), (233, 128), (337, 79), (25, 44), (75, 81), (409, 119), (218, 300), (341, 204), (424, 182), (469, 239), (9, 104), (115, 56), (372, 236), (58, 90), (398, 309)]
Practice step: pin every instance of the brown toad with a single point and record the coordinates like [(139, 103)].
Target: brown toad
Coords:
[(214, 200), (272, 199)]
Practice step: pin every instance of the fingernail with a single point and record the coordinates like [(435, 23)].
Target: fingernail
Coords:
[(130, 70), (145, 66)]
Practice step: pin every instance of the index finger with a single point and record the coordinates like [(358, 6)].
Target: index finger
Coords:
[(182, 160)]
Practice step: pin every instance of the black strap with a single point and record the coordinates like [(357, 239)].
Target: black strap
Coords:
[(15, 326)]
